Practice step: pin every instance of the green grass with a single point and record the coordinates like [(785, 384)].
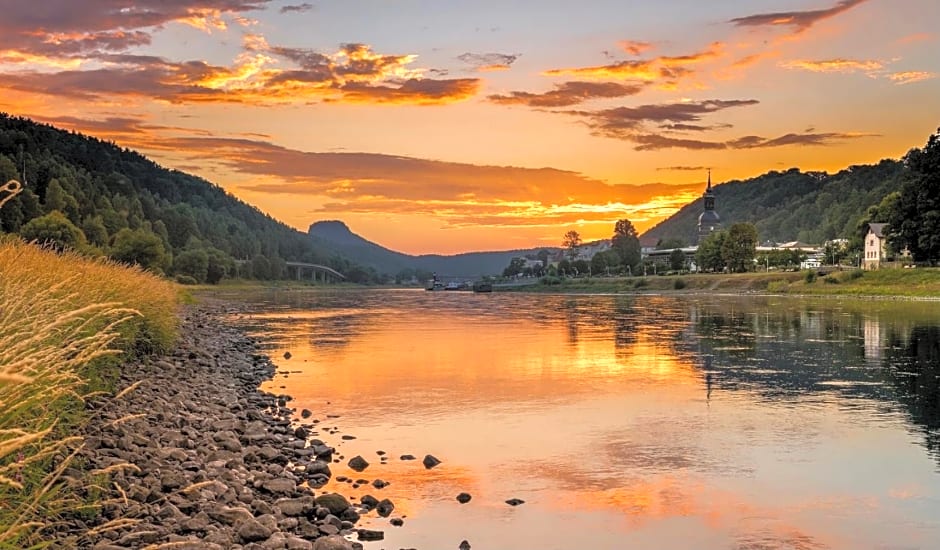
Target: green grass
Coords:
[(65, 324), (912, 283)]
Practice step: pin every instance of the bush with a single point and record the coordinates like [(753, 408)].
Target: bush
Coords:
[(641, 283), (777, 286), (678, 284), (854, 274), (186, 280), (809, 276), (551, 280), (831, 279)]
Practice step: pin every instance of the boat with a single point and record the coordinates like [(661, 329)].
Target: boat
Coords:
[(434, 285), (453, 285), (483, 286)]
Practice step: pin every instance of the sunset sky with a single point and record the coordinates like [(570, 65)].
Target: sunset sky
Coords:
[(447, 126)]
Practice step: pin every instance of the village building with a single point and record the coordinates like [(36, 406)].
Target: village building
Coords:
[(708, 221), (876, 246)]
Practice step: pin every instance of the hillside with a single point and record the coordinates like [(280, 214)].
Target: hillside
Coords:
[(336, 236), (792, 205), (96, 197)]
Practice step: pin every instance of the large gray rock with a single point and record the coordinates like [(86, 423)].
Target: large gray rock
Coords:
[(333, 542), (294, 506), (229, 515), (333, 502), (358, 463), (253, 531)]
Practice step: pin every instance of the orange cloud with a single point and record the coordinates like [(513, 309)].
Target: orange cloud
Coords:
[(908, 77), (355, 74), (659, 68), (916, 37), (634, 47), (834, 65)]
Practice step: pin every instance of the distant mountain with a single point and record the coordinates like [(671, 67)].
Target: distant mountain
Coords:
[(335, 235), (787, 206)]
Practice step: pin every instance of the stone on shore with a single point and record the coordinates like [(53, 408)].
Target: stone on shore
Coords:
[(430, 461), (358, 463)]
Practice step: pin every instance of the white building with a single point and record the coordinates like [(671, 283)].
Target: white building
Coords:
[(875, 246)]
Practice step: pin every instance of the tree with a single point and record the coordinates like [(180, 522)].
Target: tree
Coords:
[(677, 260), (581, 267), (193, 262), (543, 256), (739, 247), (55, 230), (708, 256), (564, 267), (94, 230), (599, 263), (515, 267), (136, 246), (57, 198), (914, 220), (627, 244), (220, 264), (572, 241)]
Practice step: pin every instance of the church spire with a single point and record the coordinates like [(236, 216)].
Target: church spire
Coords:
[(709, 188)]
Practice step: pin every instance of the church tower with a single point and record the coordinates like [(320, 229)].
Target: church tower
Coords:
[(708, 221)]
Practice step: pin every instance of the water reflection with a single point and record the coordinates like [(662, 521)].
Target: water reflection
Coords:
[(625, 421)]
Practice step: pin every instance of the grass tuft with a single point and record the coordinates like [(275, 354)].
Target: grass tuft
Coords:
[(65, 320)]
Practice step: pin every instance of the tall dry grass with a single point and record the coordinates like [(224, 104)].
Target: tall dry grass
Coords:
[(64, 319)]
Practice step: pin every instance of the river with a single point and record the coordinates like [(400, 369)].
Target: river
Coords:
[(660, 422)]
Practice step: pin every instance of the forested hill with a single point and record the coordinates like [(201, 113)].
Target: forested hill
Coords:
[(786, 206), (337, 236), (91, 195)]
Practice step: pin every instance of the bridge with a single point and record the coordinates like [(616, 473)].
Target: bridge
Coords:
[(317, 272)]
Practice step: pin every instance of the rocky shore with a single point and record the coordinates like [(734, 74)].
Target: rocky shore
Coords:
[(190, 454)]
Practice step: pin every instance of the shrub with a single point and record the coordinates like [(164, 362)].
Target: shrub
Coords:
[(640, 283), (831, 279), (809, 276), (186, 280), (777, 286), (854, 274), (678, 284), (551, 280)]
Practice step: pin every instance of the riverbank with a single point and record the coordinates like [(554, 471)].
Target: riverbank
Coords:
[(921, 283), (189, 453)]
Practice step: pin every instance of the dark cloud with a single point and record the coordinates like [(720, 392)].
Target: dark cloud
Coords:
[(488, 61), (798, 20), (635, 124), (654, 142), (569, 93), (681, 168), (628, 122), (299, 8), (694, 127)]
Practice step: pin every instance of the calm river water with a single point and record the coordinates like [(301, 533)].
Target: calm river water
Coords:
[(646, 422)]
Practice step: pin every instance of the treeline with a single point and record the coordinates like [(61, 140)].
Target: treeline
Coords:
[(95, 197), (811, 207)]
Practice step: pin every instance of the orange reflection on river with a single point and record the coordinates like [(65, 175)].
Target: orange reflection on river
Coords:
[(622, 421)]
